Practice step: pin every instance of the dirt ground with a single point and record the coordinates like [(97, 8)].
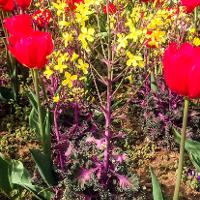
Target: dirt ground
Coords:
[(164, 165)]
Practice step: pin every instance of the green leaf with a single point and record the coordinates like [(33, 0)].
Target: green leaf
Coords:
[(32, 99), (21, 177), (33, 121), (47, 136), (45, 166), (157, 193), (102, 34), (154, 87), (13, 175), (195, 159), (5, 183), (192, 147)]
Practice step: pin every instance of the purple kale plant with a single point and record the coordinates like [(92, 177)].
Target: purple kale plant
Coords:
[(161, 110)]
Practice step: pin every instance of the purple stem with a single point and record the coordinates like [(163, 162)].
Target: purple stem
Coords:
[(58, 138), (107, 127)]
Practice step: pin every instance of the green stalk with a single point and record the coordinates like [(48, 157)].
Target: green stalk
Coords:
[(36, 85), (43, 89), (182, 150)]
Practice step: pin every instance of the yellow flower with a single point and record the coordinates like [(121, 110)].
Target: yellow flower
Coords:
[(82, 66), (48, 72), (56, 53), (131, 79), (63, 23), (86, 35), (60, 7), (134, 34), (192, 30), (134, 60), (60, 66), (67, 38), (122, 41), (82, 12), (56, 99), (156, 37), (74, 57), (69, 79), (196, 41), (37, 4)]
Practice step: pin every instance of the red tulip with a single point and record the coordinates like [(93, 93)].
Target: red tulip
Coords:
[(42, 17), (3, 2), (23, 3), (190, 5), (9, 5), (72, 4), (19, 25), (111, 8), (32, 50), (182, 69)]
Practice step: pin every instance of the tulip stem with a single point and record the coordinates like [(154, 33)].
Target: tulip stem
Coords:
[(36, 84), (182, 150)]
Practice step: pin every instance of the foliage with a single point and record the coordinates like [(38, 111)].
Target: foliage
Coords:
[(100, 94), (162, 110), (157, 193)]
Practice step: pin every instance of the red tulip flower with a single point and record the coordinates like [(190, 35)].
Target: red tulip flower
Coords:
[(32, 50), (42, 17), (111, 8), (71, 4), (182, 69), (9, 5), (3, 2), (19, 25), (23, 3), (190, 5)]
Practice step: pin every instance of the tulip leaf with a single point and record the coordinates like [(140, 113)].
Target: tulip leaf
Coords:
[(21, 177), (157, 193), (34, 117), (13, 175), (192, 147), (45, 166), (32, 99), (33, 122), (195, 159), (47, 136), (5, 183)]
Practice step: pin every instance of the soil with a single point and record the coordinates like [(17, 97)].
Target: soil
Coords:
[(164, 166)]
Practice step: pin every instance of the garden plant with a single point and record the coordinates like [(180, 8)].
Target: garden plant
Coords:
[(97, 97)]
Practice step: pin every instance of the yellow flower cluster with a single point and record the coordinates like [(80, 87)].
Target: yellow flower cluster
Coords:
[(134, 60), (60, 6), (132, 29), (60, 63)]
